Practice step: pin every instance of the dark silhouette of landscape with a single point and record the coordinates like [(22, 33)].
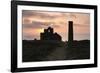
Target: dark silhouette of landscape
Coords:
[(50, 47)]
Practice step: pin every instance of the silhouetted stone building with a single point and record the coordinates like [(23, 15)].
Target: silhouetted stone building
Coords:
[(49, 34)]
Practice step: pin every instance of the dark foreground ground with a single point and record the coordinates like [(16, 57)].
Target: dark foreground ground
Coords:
[(37, 50)]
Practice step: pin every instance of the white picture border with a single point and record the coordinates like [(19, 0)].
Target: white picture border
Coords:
[(52, 63)]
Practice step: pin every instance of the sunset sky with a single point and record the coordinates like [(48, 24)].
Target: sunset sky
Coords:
[(34, 22)]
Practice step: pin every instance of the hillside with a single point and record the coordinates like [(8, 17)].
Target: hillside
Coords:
[(37, 50)]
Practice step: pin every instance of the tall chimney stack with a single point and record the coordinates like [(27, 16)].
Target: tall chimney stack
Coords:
[(70, 33)]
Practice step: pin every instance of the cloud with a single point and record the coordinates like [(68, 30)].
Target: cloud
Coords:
[(81, 25), (34, 25), (38, 25), (29, 13), (28, 36)]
